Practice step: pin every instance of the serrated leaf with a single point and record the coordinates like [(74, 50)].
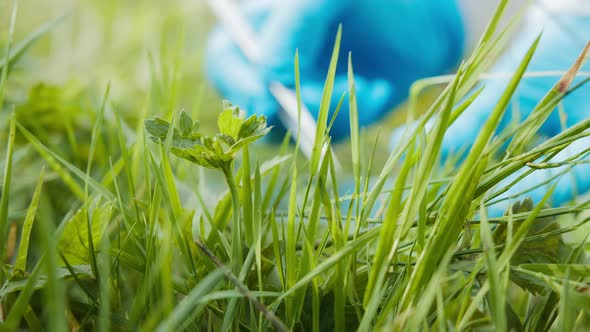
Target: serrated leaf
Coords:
[(229, 123), (186, 142), (542, 250), (73, 242), (185, 123), (527, 282), (157, 127), (208, 151)]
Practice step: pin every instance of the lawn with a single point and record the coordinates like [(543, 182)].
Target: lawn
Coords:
[(133, 198)]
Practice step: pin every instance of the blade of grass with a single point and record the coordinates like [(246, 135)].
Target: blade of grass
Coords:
[(318, 145), (127, 163), (546, 106), (6, 193), (351, 248), (567, 313), (247, 208), (497, 297), (355, 144), (54, 298), (21, 48), (473, 68), (19, 306), (4, 73), (386, 247), (269, 315), (291, 261), (23, 248), (454, 209), (58, 164), (106, 285), (93, 142), (503, 261)]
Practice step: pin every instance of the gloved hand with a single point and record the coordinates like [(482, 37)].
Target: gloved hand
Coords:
[(393, 43), (566, 29)]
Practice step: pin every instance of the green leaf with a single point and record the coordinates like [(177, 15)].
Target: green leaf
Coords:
[(250, 139), (248, 126), (253, 126), (73, 243), (229, 122), (186, 123), (157, 127)]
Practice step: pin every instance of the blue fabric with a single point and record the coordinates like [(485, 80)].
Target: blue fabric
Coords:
[(393, 43), (564, 37)]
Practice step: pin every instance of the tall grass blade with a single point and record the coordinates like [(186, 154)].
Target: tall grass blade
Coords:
[(4, 73), (22, 301), (497, 297), (6, 193), (456, 204), (21, 48), (23, 248), (54, 293), (62, 166), (546, 106), (93, 142), (318, 145)]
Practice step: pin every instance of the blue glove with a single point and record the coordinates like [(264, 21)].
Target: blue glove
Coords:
[(564, 37), (572, 179), (393, 43)]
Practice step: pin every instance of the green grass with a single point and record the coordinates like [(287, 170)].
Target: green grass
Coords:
[(112, 219)]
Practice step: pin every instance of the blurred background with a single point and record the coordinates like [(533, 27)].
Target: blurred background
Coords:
[(151, 52), (138, 46), (101, 41)]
